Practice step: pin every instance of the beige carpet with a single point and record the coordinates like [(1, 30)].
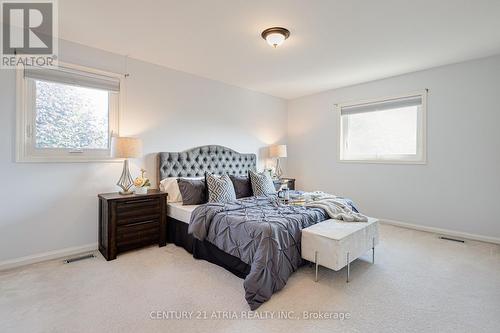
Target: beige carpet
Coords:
[(419, 283)]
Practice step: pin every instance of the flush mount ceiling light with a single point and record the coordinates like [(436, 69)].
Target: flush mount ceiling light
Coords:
[(275, 36)]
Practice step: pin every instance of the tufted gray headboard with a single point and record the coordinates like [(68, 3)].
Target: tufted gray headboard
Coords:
[(196, 161)]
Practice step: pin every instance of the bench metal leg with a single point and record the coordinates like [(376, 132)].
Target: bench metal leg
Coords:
[(348, 267), (316, 262), (373, 250)]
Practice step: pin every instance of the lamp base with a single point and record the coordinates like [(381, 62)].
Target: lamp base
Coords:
[(125, 181), (126, 192), (278, 171)]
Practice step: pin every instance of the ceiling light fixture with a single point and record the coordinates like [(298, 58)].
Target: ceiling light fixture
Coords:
[(275, 36)]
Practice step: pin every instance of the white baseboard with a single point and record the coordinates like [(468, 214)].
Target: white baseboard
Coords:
[(56, 254), (70, 251), (444, 232)]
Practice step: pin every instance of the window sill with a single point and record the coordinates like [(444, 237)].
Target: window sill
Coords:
[(81, 159), (422, 162)]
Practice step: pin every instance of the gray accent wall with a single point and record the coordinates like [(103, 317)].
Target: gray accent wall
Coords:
[(459, 187)]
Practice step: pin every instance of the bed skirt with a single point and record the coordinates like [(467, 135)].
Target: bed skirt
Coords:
[(177, 233)]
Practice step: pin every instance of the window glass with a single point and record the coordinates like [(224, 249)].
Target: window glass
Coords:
[(386, 132), (71, 117)]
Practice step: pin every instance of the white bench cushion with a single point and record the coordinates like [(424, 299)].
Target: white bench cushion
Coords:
[(332, 239)]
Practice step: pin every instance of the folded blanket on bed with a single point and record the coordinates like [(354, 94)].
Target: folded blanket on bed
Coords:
[(337, 208)]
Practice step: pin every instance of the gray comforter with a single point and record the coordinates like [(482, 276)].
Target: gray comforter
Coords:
[(262, 233)]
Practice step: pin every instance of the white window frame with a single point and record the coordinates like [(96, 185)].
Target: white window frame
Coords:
[(419, 158), (26, 115)]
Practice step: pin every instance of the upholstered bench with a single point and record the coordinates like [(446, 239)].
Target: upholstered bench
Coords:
[(335, 244)]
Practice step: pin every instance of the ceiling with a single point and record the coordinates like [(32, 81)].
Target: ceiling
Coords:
[(333, 43)]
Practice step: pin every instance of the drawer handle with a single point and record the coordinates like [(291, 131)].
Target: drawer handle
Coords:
[(137, 223)]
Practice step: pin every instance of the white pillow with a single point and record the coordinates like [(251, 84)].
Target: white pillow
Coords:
[(171, 186)]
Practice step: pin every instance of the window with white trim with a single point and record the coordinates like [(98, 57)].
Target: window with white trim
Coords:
[(66, 114), (389, 130)]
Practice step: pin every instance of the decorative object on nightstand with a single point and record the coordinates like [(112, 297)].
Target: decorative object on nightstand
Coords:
[(282, 183), (128, 222), (278, 151), (284, 195), (125, 147), (142, 183)]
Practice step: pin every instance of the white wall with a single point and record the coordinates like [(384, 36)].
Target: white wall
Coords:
[(46, 207), (459, 187)]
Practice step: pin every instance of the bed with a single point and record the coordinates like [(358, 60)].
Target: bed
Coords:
[(194, 163), (256, 238)]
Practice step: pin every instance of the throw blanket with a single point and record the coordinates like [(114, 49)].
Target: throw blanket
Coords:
[(261, 232), (337, 208)]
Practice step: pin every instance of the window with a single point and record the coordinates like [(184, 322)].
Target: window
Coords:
[(66, 114), (389, 130)]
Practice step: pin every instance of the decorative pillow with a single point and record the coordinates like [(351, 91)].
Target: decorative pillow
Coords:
[(170, 186), (242, 186), (220, 189), (193, 191), (262, 184)]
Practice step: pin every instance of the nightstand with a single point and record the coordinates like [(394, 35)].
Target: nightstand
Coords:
[(131, 221), (289, 182)]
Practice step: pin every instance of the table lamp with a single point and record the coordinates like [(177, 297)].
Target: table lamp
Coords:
[(278, 151), (126, 147)]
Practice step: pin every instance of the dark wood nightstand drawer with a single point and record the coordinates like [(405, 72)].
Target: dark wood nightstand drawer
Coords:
[(141, 207), (138, 233)]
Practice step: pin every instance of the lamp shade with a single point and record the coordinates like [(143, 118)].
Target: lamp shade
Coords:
[(277, 151), (126, 147)]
